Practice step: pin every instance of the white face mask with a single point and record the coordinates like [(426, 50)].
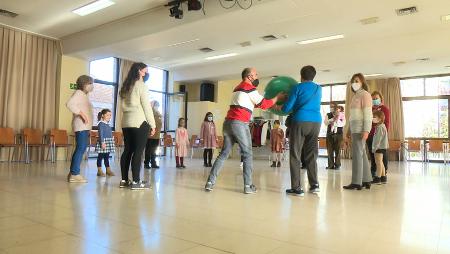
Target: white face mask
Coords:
[(375, 120), (210, 118), (356, 86)]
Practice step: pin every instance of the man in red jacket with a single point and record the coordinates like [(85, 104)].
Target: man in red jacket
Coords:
[(236, 130)]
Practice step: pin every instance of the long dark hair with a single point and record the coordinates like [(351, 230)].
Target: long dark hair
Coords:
[(132, 77), (206, 116), (102, 112)]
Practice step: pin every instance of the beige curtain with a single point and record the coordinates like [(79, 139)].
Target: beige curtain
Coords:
[(124, 68), (390, 89), (29, 77)]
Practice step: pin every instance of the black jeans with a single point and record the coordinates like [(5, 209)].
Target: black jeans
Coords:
[(105, 157), (373, 165), (134, 139), (334, 142), (150, 151)]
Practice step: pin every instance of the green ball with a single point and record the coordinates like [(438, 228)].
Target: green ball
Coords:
[(277, 85)]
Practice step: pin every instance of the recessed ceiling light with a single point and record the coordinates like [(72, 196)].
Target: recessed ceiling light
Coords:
[(328, 38), (369, 21), (183, 42), (448, 66), (245, 44), (221, 56), (407, 11), (445, 18), (373, 75), (399, 63), (423, 59), (326, 70), (269, 37), (93, 7)]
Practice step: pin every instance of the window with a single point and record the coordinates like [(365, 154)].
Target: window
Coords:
[(157, 85), (426, 106), (331, 93), (105, 74), (338, 92)]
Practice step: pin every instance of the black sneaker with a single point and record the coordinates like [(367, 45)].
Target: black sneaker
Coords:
[(299, 193), (124, 184), (314, 189), (146, 166), (376, 180), (182, 166), (353, 187), (155, 166), (330, 167), (383, 179), (141, 185), (210, 165), (278, 164), (274, 164), (337, 167), (205, 165)]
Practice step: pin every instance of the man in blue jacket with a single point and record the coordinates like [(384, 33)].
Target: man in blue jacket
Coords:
[(304, 102)]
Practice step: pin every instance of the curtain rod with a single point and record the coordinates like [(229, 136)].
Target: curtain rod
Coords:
[(30, 32)]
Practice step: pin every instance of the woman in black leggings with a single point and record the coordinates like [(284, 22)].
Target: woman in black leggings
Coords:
[(137, 121)]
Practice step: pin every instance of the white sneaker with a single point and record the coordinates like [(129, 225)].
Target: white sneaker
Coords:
[(77, 179)]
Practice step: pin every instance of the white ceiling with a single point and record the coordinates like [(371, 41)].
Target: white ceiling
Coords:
[(54, 18), (365, 48)]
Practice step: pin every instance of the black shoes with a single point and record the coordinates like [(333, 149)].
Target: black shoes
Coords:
[(366, 185), (299, 193), (383, 179), (279, 164), (353, 187), (330, 167), (274, 164), (146, 166)]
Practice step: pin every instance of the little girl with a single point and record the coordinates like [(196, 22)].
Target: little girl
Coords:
[(208, 137), (105, 144), (276, 142), (379, 146), (181, 143)]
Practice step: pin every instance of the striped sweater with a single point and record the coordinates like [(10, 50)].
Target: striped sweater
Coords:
[(244, 99), (361, 112)]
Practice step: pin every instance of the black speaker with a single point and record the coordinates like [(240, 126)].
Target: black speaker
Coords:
[(182, 88), (207, 92)]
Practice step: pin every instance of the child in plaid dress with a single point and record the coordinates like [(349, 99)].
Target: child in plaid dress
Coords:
[(105, 144)]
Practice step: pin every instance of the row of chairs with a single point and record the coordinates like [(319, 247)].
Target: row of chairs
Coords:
[(423, 147)]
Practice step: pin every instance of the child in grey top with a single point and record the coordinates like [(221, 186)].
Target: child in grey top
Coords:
[(380, 144)]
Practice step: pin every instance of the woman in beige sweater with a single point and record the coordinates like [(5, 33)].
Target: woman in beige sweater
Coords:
[(137, 121), (82, 109)]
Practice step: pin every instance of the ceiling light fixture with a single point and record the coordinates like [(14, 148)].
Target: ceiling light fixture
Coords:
[(373, 75), (328, 38), (445, 18), (221, 56), (93, 7), (183, 42)]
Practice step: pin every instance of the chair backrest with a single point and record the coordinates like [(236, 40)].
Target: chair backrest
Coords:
[(194, 142), (93, 137), (395, 145), (168, 140), (219, 141), (32, 136), (7, 136), (322, 143), (435, 145), (59, 137), (413, 144), (118, 138)]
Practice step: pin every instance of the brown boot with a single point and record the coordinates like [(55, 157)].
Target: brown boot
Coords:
[(109, 172), (100, 172)]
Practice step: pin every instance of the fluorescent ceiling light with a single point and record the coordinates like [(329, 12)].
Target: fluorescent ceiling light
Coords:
[(183, 42), (328, 38), (93, 7), (445, 18), (373, 75), (221, 56)]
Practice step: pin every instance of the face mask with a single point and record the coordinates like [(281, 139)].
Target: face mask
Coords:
[(210, 118), (376, 102), (89, 88), (145, 77), (375, 120), (356, 86)]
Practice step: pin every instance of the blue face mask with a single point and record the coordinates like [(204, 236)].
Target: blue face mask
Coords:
[(376, 102)]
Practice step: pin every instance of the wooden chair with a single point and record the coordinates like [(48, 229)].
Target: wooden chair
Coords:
[(9, 140), (396, 146), (32, 138), (322, 143), (195, 144), (119, 143), (168, 142), (437, 147), (414, 145), (58, 138)]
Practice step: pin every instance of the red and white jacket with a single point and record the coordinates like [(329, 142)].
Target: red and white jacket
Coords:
[(244, 99)]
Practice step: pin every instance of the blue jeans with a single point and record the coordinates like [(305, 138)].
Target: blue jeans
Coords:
[(235, 132), (82, 140)]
